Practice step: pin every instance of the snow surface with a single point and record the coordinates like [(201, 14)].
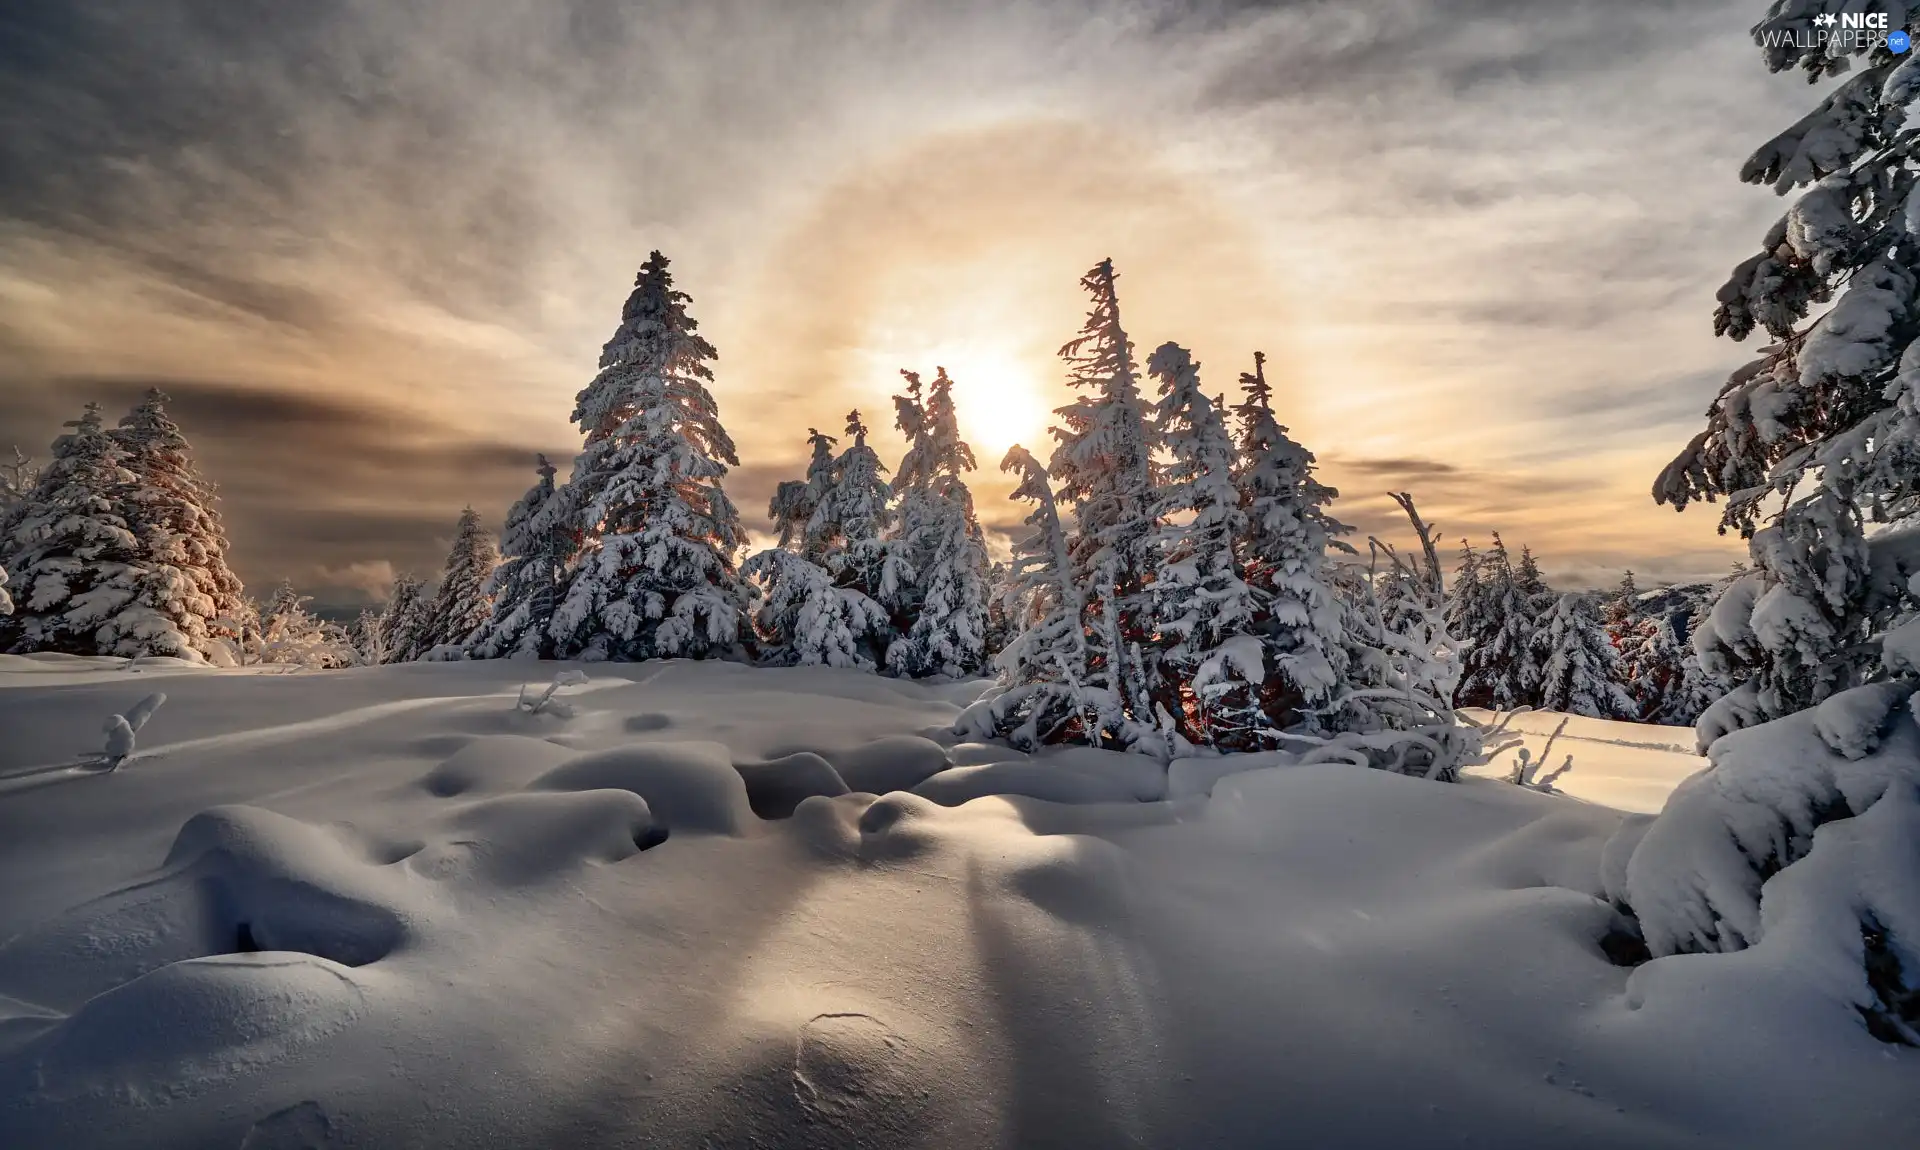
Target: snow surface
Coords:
[(1627, 766), (386, 907)]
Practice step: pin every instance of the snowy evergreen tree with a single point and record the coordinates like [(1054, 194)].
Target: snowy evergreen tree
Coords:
[(1284, 536), (75, 558), (805, 619), (1819, 437), (171, 510), (1102, 465), (6, 600), (795, 500), (1653, 670), (851, 522), (1580, 668), (1213, 665), (1623, 609), (656, 574), (537, 548), (943, 610), (461, 606), (1497, 657), (403, 624), (1048, 695)]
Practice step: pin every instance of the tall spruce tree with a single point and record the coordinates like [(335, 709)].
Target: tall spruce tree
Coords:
[(944, 623), (1102, 464), (537, 546), (1499, 661), (1580, 670), (795, 500), (1819, 436), (1049, 695), (462, 606), (171, 510), (1212, 665), (76, 558), (403, 624), (851, 521), (656, 576), (1285, 536)]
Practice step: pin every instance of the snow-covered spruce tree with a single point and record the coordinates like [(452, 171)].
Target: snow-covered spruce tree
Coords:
[(943, 617), (1102, 464), (6, 600), (1819, 437), (1814, 448), (1653, 669), (1471, 621), (1580, 670), (1047, 694), (537, 546), (1211, 665), (74, 557), (805, 619), (656, 575), (852, 522), (403, 624), (291, 634), (171, 510), (1501, 667), (1285, 534), (795, 500), (462, 606)]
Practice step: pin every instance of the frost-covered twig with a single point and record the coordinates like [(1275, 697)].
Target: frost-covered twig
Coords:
[(546, 704)]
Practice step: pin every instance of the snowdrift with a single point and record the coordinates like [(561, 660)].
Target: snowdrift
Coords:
[(388, 907)]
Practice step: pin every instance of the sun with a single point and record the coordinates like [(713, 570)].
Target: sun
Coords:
[(998, 392)]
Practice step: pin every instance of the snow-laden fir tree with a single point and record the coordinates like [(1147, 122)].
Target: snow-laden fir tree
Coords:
[(1580, 670), (1048, 695), (461, 606), (851, 523), (805, 619), (1623, 608), (1819, 437), (75, 559), (6, 600), (656, 576), (1212, 665), (1102, 465), (403, 624), (1653, 669), (1500, 666), (795, 500), (944, 613), (171, 510), (536, 548), (1285, 534), (366, 638)]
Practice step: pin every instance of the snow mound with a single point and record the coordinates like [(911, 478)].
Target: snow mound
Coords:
[(1053, 784), (776, 786), (1694, 879), (687, 786), (1144, 777), (188, 1027), (494, 764), (526, 838), (893, 763)]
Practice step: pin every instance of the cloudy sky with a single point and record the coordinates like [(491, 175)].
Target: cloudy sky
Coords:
[(372, 247)]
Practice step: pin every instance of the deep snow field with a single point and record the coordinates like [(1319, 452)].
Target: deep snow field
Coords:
[(386, 908)]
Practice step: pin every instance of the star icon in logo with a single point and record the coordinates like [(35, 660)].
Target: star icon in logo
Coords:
[(1826, 20)]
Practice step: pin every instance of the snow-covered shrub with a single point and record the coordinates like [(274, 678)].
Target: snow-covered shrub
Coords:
[(291, 635), (545, 703), (119, 731)]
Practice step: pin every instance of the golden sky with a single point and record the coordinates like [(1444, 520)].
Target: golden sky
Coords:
[(373, 249)]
